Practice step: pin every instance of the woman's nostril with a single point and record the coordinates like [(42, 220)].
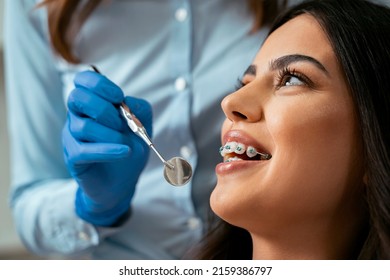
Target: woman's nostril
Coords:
[(239, 115)]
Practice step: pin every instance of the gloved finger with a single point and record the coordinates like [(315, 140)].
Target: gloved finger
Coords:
[(88, 130), (84, 103), (76, 152), (86, 153), (99, 85), (142, 110)]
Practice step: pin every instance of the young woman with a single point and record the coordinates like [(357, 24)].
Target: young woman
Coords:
[(306, 141)]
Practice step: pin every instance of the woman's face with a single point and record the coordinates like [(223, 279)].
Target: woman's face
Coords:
[(294, 105)]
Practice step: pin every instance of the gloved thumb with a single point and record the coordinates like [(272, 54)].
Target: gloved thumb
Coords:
[(142, 110)]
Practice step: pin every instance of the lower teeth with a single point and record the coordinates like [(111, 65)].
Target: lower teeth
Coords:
[(233, 159)]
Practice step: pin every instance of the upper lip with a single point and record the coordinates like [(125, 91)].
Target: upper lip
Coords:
[(243, 138)]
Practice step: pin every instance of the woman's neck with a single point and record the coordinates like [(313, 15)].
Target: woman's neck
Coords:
[(314, 242)]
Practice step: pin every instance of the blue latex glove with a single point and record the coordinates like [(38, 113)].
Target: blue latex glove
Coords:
[(102, 154)]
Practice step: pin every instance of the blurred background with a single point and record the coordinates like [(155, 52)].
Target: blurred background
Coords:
[(10, 245)]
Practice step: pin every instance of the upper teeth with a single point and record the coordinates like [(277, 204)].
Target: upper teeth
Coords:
[(239, 148), (251, 152)]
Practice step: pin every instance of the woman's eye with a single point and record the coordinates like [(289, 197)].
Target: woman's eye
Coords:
[(289, 77), (292, 81)]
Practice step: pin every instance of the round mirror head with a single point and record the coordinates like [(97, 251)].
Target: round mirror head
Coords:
[(181, 172)]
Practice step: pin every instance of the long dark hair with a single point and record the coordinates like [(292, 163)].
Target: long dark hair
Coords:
[(359, 33), (65, 18)]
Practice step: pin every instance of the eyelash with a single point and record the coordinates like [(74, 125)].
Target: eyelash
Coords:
[(282, 74), (239, 84), (288, 73)]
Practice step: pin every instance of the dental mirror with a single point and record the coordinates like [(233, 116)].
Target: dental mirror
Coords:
[(181, 172), (177, 171)]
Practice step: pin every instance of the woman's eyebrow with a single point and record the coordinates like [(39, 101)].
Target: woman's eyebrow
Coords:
[(284, 61), (251, 70)]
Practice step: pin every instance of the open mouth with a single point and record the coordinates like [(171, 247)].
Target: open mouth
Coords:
[(235, 151)]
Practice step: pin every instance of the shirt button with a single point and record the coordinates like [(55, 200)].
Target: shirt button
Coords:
[(193, 223), (180, 84), (185, 151), (181, 14), (83, 236)]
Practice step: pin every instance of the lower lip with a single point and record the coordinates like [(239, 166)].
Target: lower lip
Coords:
[(225, 168)]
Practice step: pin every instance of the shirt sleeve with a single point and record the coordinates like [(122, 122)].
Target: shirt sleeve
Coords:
[(42, 192)]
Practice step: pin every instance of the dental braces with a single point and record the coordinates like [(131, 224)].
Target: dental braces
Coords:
[(239, 148)]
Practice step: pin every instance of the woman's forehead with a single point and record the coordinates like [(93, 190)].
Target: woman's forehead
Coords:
[(301, 35)]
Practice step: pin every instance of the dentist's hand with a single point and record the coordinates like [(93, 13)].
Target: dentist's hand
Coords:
[(102, 154)]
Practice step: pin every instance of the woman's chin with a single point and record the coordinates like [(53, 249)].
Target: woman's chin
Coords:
[(223, 202)]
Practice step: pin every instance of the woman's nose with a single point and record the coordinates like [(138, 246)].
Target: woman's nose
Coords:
[(242, 106)]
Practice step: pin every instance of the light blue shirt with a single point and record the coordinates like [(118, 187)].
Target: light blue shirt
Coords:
[(183, 57)]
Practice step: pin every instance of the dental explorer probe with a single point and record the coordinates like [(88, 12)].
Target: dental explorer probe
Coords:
[(177, 171)]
